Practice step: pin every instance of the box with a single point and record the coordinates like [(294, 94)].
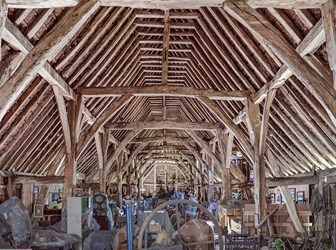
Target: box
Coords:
[(154, 228)]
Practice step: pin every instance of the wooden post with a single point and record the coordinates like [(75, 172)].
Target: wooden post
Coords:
[(139, 187), (176, 173), (128, 181), (10, 186), (101, 160), (119, 179), (166, 178), (71, 135), (329, 22), (155, 179), (226, 162), (192, 184), (202, 178), (253, 118)]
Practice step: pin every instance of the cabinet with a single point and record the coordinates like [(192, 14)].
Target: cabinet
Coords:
[(79, 216)]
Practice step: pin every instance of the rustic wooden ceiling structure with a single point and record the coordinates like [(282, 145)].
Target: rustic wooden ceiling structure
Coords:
[(124, 85)]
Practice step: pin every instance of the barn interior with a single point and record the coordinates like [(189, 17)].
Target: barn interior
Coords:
[(167, 124)]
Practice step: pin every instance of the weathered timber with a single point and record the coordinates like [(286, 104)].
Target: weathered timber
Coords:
[(164, 91)]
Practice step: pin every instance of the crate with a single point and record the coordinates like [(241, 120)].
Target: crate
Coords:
[(281, 221)]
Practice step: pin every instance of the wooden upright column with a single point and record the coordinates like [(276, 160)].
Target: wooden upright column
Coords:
[(225, 157), (253, 118), (71, 124), (102, 142)]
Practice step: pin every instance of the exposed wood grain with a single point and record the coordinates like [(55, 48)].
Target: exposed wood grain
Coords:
[(161, 138), (241, 137), (313, 40), (43, 51), (225, 157), (164, 91), (163, 125), (165, 48), (188, 4), (205, 147), (38, 179), (33, 4), (286, 4), (253, 117), (3, 18), (290, 181), (329, 23), (102, 143), (133, 156), (163, 5), (266, 34), (13, 36), (105, 116), (265, 121), (113, 157), (62, 111)]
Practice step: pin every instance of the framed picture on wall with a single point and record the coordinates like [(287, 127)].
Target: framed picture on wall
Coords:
[(278, 198), (292, 192), (38, 211), (300, 197), (272, 197)]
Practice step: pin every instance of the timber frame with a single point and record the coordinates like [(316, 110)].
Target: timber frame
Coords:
[(116, 88)]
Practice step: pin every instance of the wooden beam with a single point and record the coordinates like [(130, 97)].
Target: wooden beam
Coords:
[(46, 49), (52, 77), (329, 22), (132, 157), (205, 147), (49, 179), (165, 47), (163, 5), (286, 4), (70, 159), (291, 208), (195, 4), (63, 117), (292, 180), (265, 122), (269, 215), (114, 107), (253, 117), (228, 151), (236, 172), (121, 147), (267, 34), (239, 134), (3, 18), (165, 147), (225, 158), (161, 138), (15, 38), (34, 4), (163, 125), (312, 41), (102, 142), (159, 90)]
